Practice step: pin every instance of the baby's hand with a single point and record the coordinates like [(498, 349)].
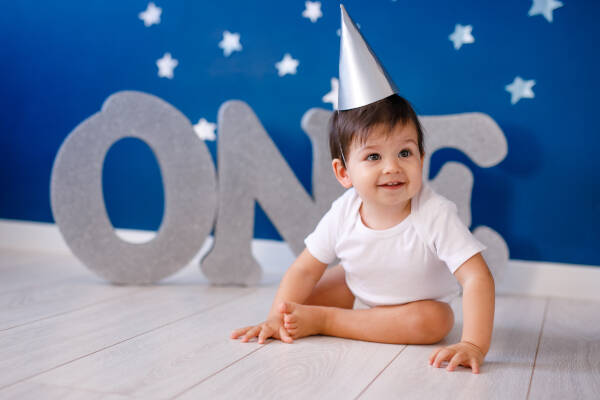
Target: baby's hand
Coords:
[(270, 328), (463, 353)]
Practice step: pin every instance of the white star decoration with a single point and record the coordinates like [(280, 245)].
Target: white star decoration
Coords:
[(166, 65), (151, 15), (332, 96), (230, 43), (287, 66), (520, 89), (205, 130), (544, 7), (461, 35), (312, 10)]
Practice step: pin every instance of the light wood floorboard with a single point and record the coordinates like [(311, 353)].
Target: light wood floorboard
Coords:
[(38, 391), (314, 367), (568, 362), (66, 334), (38, 288), (517, 325), (19, 270), (26, 305), (34, 348), (164, 362)]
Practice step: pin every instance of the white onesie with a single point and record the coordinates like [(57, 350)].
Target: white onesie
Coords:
[(411, 261)]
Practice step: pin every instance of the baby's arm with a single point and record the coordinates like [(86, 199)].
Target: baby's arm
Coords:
[(478, 317), (296, 286)]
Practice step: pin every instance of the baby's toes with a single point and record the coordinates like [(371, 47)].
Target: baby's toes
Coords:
[(293, 332), (284, 307), (290, 325), (290, 318)]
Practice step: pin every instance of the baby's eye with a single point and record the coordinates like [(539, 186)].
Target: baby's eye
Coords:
[(373, 157), (405, 153)]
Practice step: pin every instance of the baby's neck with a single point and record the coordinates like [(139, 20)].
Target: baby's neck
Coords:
[(380, 218)]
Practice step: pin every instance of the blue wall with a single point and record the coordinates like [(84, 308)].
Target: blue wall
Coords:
[(61, 60)]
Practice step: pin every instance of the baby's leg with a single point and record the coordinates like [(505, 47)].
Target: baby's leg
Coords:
[(419, 322), (331, 290)]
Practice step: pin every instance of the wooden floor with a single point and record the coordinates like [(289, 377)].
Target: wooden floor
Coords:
[(65, 334)]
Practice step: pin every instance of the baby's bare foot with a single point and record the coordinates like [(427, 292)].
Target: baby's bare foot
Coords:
[(302, 320)]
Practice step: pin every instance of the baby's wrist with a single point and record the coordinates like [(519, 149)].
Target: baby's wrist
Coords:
[(471, 344)]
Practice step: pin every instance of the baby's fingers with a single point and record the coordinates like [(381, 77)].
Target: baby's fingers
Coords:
[(475, 365), (443, 355), (455, 362), (265, 333), (251, 333), (434, 353), (461, 359), (239, 332)]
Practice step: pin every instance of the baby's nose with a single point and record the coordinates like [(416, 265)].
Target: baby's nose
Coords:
[(391, 166)]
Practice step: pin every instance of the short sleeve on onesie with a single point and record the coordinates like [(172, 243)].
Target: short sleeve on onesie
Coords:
[(446, 235), (321, 243)]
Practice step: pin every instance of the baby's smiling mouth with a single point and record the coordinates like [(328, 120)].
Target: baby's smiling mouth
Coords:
[(392, 185)]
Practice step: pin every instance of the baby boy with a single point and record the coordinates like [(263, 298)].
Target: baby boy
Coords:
[(402, 247)]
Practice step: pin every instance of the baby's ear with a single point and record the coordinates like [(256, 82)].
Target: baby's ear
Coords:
[(341, 173)]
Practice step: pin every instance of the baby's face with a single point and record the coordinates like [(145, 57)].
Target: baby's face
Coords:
[(387, 170)]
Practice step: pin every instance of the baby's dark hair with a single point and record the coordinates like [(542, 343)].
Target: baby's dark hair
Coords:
[(356, 124)]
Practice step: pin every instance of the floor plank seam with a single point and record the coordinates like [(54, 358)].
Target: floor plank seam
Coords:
[(537, 348), (133, 292), (85, 389), (45, 284), (379, 374), (217, 372), (125, 340)]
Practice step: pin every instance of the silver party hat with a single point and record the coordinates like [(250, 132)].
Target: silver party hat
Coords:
[(363, 80)]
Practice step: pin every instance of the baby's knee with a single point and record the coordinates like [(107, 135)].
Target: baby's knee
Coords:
[(433, 321)]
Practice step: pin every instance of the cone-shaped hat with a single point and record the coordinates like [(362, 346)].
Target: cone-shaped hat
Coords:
[(363, 80)]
